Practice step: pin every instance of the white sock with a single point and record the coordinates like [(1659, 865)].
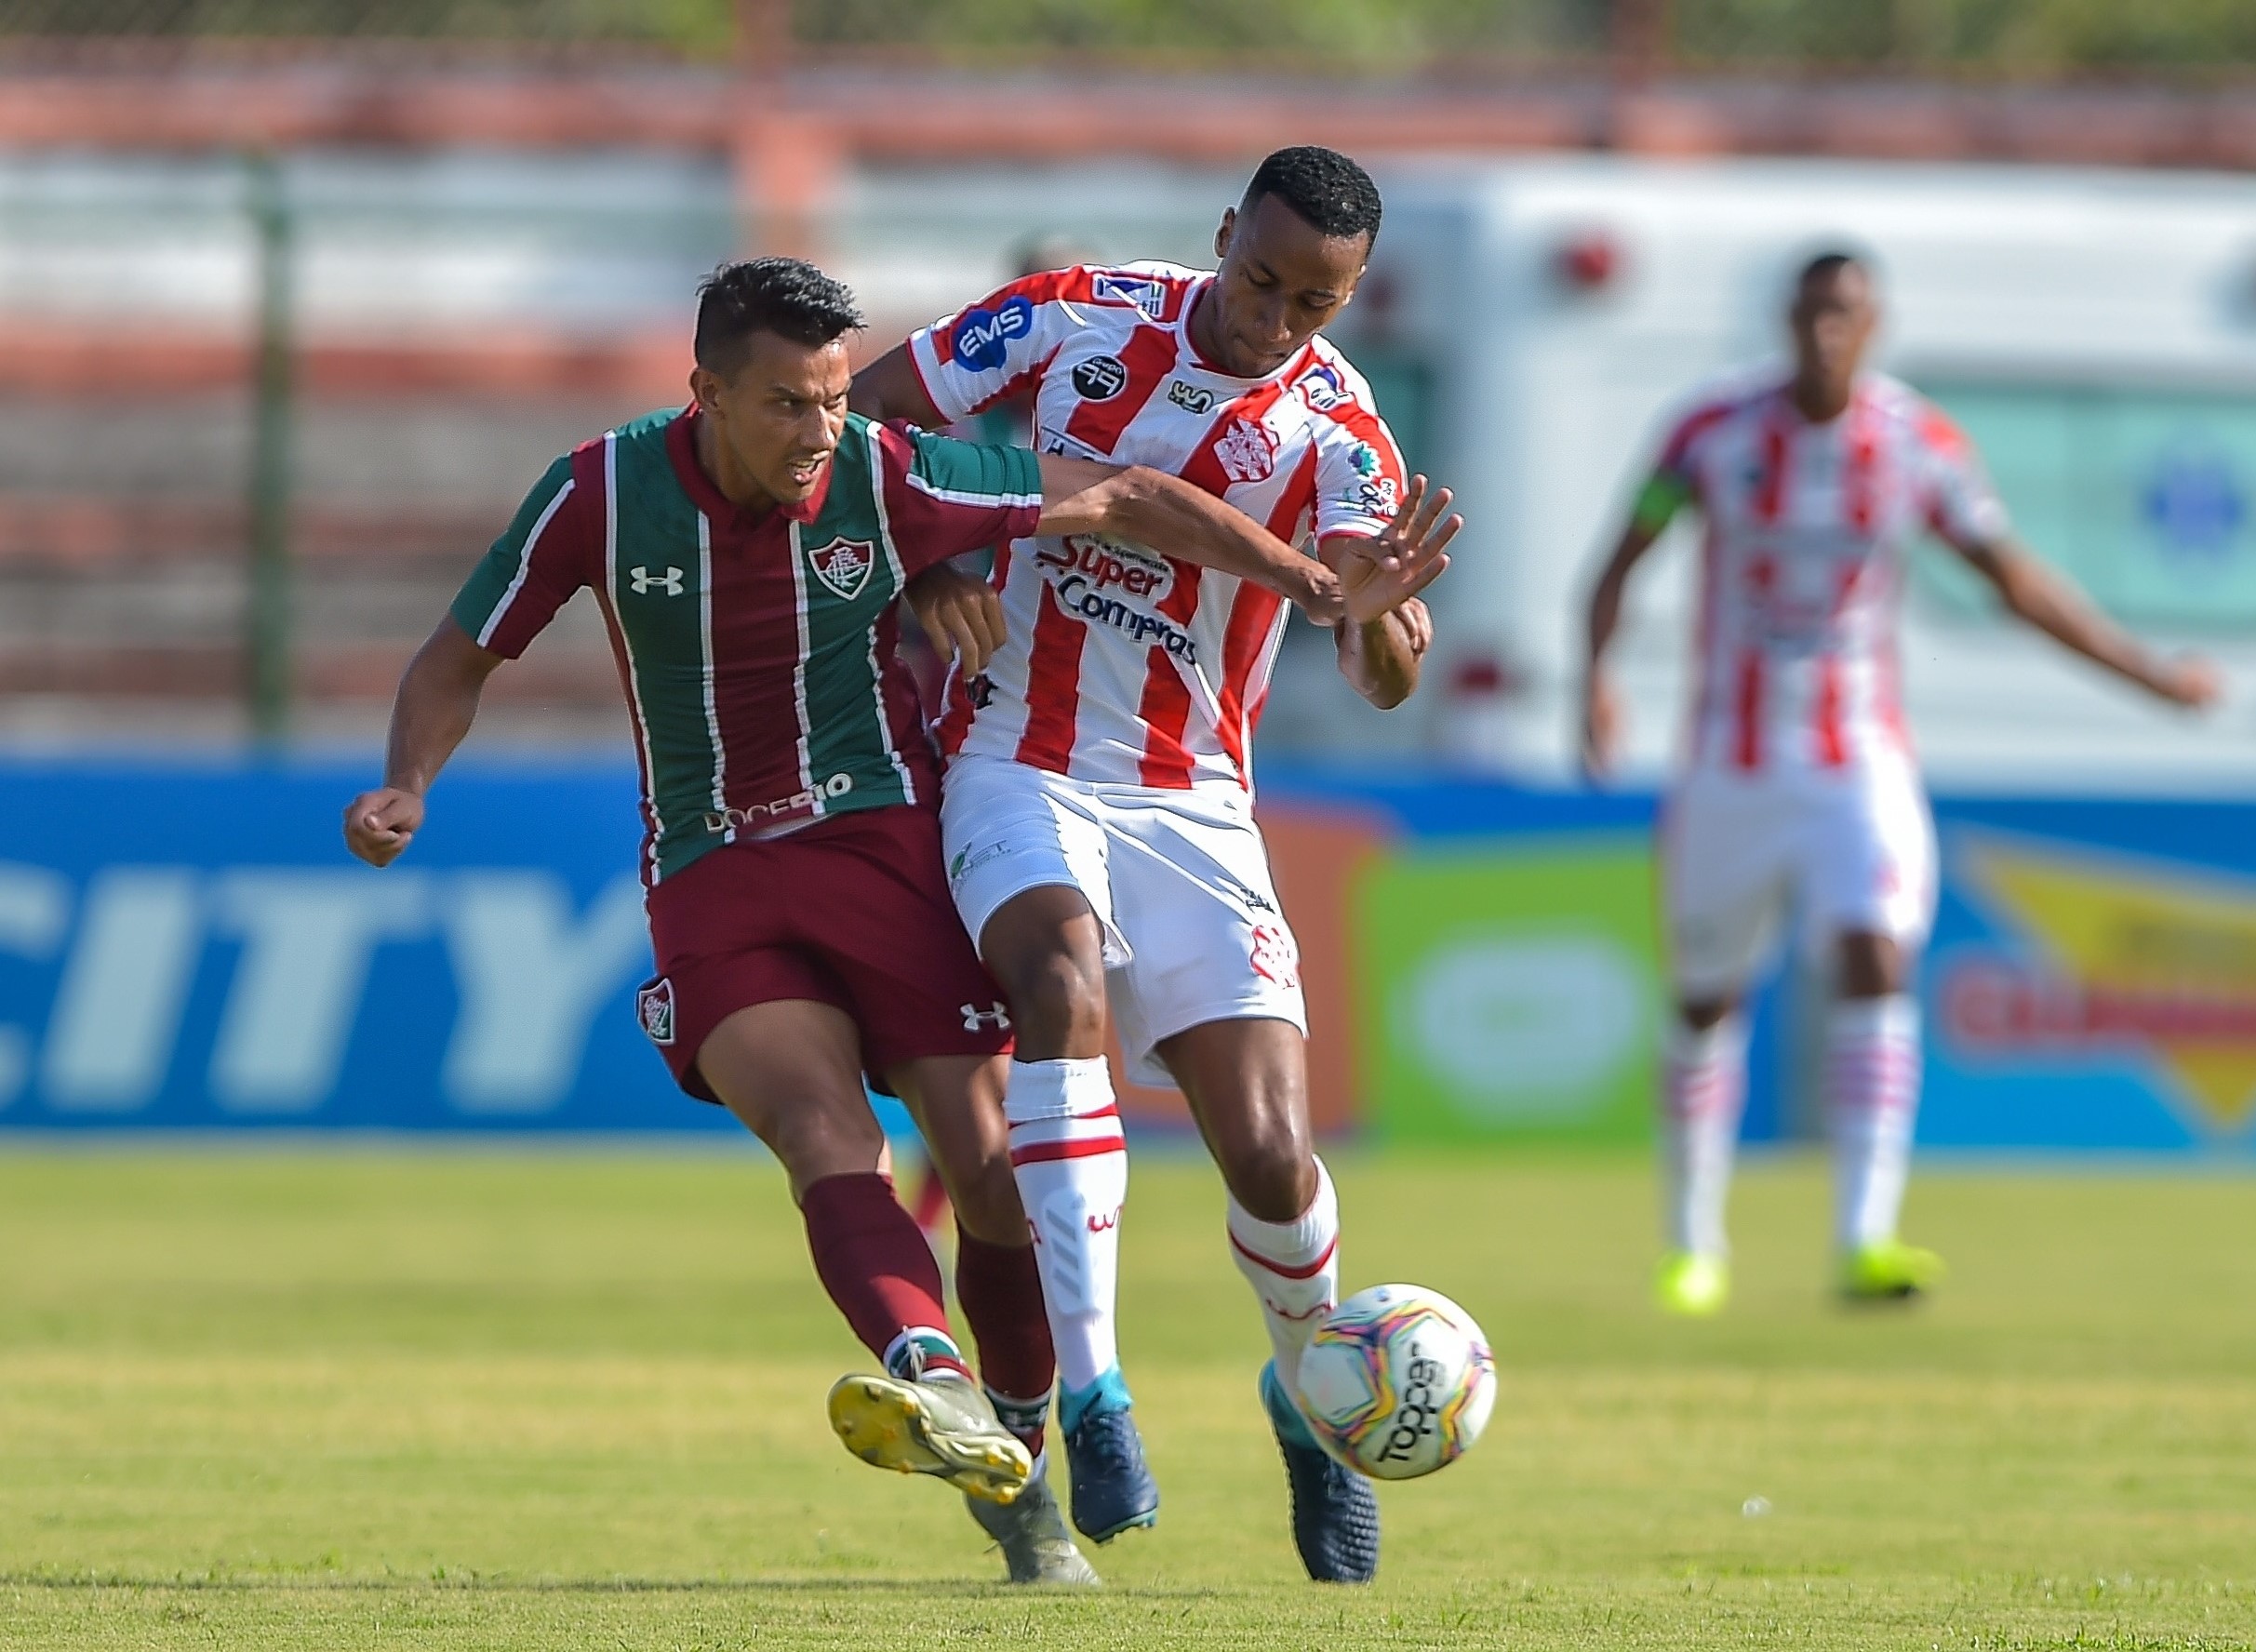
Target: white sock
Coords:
[(1704, 1086), (1872, 1094), (1070, 1162), (1294, 1269)]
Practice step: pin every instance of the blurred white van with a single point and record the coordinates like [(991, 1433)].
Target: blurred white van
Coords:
[(1530, 324)]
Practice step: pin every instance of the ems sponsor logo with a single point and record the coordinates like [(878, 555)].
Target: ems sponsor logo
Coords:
[(734, 819), (1274, 955), (1137, 293), (1322, 388), (1246, 450), (1190, 398), (2129, 962), (1101, 378), (844, 564), (1085, 570), (644, 581), (995, 1016), (654, 1010), (982, 338)]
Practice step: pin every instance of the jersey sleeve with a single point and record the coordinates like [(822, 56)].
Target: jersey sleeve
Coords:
[(1674, 481), (531, 570), (944, 496), (996, 348), (1959, 503), (1360, 477)]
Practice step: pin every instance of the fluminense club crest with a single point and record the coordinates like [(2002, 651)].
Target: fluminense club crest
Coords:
[(654, 1009), (844, 564)]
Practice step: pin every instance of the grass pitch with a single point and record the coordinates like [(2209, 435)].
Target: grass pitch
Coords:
[(455, 1401)]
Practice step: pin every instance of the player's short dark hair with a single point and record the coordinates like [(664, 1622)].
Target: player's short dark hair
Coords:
[(1325, 188), (785, 296), (1827, 262)]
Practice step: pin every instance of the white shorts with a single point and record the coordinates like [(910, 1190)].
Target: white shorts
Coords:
[(1849, 850), (1179, 880)]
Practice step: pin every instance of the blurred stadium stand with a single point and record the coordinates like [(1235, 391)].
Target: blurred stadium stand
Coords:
[(498, 209)]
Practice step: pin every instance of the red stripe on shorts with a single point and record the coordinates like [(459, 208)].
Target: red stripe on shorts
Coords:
[(1747, 745)]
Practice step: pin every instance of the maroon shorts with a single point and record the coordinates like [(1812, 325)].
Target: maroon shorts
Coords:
[(853, 912)]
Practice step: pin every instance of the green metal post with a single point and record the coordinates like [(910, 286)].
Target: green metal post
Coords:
[(267, 634)]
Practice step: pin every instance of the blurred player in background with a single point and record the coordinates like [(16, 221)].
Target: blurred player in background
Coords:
[(1097, 813), (747, 552), (1798, 792)]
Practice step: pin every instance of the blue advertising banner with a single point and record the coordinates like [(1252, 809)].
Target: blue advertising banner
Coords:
[(2093, 978), (189, 946), (2090, 985), (184, 946)]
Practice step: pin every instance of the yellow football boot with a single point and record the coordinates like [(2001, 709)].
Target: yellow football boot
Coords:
[(1691, 1286), (942, 1426), (1889, 1271)]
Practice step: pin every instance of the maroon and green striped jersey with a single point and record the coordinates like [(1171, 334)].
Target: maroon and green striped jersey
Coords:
[(757, 649)]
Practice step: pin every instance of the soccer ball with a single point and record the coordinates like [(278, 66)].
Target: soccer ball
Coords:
[(1398, 1381)]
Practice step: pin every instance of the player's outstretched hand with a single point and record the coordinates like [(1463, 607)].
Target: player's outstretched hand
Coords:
[(1601, 728), (1384, 572), (2189, 680), (962, 616), (379, 824)]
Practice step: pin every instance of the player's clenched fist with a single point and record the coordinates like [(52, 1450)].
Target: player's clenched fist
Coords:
[(962, 617), (379, 824), (1316, 591)]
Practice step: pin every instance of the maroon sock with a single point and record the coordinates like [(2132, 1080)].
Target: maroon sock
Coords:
[(880, 1271), (1001, 1295)]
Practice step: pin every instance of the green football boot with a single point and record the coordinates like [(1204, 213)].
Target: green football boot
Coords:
[(1030, 1530), (942, 1426), (1691, 1286), (1889, 1271)]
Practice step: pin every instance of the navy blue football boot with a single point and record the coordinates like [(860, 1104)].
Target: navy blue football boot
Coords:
[(1335, 1515), (1113, 1489)]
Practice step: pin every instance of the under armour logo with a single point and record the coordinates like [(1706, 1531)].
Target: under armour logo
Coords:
[(975, 1017), (670, 582)]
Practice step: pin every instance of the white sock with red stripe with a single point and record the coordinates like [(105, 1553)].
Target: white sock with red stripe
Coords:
[(1070, 1162), (1294, 1269), (1704, 1086), (1872, 1093)]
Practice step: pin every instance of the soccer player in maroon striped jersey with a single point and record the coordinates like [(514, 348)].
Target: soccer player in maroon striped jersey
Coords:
[(747, 552), (1799, 786), (1098, 814)]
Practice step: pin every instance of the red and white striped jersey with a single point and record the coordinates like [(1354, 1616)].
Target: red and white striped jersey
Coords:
[(1806, 527), (1122, 664)]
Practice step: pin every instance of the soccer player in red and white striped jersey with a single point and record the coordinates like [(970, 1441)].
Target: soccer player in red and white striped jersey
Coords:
[(1798, 790), (1097, 809)]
